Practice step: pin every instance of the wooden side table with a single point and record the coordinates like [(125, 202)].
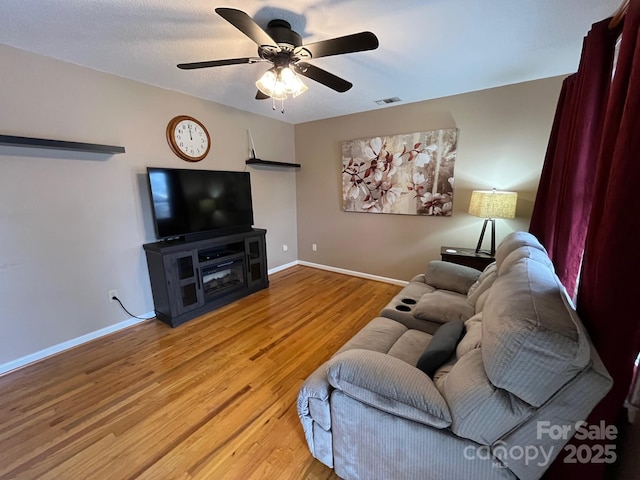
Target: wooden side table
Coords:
[(466, 256)]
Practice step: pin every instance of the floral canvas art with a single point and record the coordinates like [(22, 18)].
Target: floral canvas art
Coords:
[(409, 174)]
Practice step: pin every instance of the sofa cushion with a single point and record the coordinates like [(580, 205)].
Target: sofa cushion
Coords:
[(479, 410), (379, 335), (450, 276), (472, 338), (482, 299), (525, 252), (410, 346), (484, 282), (441, 347), (405, 392), (531, 345), (443, 306), (483, 275), (415, 288), (515, 240), (443, 371)]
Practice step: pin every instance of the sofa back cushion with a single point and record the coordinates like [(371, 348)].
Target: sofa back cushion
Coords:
[(450, 276), (472, 338), (484, 282), (531, 343), (443, 306), (479, 410), (526, 251), (515, 240)]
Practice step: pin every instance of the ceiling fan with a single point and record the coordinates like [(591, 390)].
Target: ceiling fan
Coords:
[(283, 47)]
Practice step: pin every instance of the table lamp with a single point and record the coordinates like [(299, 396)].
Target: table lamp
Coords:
[(492, 204)]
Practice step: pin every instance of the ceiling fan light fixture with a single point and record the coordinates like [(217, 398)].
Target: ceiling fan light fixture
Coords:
[(293, 84), (267, 83), (277, 83), (284, 48)]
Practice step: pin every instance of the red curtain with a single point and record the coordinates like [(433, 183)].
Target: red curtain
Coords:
[(609, 282), (588, 203), (563, 202)]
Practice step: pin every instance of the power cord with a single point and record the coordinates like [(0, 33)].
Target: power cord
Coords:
[(128, 312)]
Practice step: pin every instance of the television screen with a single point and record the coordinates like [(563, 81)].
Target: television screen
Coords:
[(189, 201)]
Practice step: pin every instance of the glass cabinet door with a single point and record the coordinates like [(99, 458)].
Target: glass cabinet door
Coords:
[(256, 262), (184, 282)]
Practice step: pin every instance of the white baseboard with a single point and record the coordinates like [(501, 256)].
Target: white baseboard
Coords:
[(353, 273), (47, 352), (282, 267)]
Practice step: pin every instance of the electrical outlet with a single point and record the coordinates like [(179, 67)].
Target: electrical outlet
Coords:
[(285, 248), (112, 293), (314, 247)]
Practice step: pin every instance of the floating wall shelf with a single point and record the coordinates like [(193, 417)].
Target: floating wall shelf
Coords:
[(257, 161), (58, 144)]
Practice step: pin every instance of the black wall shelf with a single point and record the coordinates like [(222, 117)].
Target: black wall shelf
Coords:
[(257, 161), (30, 142)]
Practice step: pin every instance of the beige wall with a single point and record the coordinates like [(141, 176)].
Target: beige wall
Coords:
[(503, 134), (72, 225)]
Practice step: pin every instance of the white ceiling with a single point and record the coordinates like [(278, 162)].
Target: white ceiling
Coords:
[(428, 48)]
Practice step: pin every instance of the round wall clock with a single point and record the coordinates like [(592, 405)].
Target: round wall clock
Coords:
[(188, 138)]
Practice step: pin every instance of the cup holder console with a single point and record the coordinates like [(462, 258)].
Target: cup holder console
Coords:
[(405, 304)]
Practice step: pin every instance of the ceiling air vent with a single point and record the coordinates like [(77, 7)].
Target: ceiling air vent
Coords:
[(386, 101)]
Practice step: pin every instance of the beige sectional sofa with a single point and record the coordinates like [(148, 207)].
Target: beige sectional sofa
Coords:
[(524, 361)]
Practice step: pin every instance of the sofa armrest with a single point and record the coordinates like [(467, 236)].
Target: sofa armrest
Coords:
[(389, 384), (450, 276), (315, 415), (313, 398)]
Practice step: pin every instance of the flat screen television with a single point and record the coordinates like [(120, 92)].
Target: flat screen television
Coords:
[(199, 203)]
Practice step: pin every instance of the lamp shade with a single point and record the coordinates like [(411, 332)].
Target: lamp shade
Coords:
[(493, 204)]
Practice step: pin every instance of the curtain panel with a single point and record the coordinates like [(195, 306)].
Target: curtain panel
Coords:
[(587, 207), (563, 203), (608, 285)]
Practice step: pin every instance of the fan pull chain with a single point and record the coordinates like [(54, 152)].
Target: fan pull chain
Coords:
[(273, 105)]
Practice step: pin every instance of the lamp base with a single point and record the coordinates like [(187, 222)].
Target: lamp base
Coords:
[(493, 236)]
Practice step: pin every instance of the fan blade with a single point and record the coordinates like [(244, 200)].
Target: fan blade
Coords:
[(261, 96), (357, 42), (246, 25), (218, 63), (322, 76)]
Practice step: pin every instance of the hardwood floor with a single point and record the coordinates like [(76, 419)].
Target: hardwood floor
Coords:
[(212, 399)]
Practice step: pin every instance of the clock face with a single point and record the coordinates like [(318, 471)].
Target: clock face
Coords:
[(188, 138)]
